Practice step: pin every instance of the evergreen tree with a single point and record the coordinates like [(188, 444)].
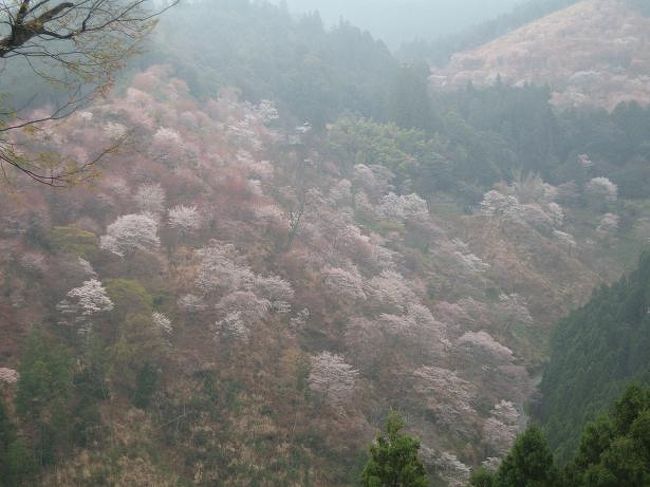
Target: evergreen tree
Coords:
[(44, 391), (394, 459), (529, 463)]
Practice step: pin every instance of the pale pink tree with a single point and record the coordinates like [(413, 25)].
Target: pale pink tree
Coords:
[(603, 189), (150, 198), (402, 207), (345, 284), (276, 290), (130, 233), (163, 323), (390, 290), (332, 378), (222, 269), (447, 396), (185, 219), (8, 376)]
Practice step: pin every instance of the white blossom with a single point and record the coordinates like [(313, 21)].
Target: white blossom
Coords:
[(163, 323), (150, 198), (500, 430), (166, 143), (402, 207), (448, 396), (8, 376), (232, 327), (602, 188), (250, 309), (191, 303), (184, 218), (344, 283), (275, 289), (483, 342), (497, 204), (115, 131), (87, 300), (455, 472), (221, 269), (129, 233), (267, 111), (333, 378), (390, 289)]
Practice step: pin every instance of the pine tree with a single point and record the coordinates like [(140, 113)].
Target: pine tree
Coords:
[(394, 459)]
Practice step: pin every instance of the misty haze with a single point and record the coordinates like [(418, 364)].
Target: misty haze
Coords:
[(323, 243)]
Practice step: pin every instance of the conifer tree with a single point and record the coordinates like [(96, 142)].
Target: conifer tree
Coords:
[(394, 459)]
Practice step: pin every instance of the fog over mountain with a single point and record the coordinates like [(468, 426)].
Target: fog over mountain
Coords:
[(397, 21)]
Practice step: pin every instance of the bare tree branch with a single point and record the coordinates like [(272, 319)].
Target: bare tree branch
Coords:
[(76, 44)]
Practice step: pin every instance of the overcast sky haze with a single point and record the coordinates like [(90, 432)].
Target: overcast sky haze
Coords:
[(396, 21)]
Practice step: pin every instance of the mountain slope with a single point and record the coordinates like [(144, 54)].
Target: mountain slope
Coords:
[(596, 52), (595, 352)]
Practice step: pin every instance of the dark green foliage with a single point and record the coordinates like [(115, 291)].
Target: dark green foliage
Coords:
[(394, 459), (7, 434), (529, 463), (146, 385), (482, 478), (44, 391), (615, 449), (409, 102), (595, 352)]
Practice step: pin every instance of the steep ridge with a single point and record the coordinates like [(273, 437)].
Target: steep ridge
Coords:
[(594, 53)]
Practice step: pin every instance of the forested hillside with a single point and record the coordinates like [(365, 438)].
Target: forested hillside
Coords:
[(595, 352), (290, 238), (593, 53)]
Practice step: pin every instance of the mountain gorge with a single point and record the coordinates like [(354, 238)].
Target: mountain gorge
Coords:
[(290, 240)]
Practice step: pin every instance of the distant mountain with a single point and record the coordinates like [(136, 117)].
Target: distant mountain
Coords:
[(596, 52), (397, 21)]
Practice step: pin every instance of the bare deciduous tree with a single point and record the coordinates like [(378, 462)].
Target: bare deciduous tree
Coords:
[(77, 46)]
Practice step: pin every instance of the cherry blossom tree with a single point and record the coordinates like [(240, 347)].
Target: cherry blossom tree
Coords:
[(232, 327), (402, 207), (345, 284), (163, 323), (448, 396), (130, 233), (84, 302), (167, 144), (150, 198), (501, 428), (8, 376), (485, 348), (221, 269), (276, 290), (332, 378), (185, 219), (390, 290), (603, 189)]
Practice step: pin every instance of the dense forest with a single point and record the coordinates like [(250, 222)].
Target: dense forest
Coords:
[(293, 242), (595, 351)]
